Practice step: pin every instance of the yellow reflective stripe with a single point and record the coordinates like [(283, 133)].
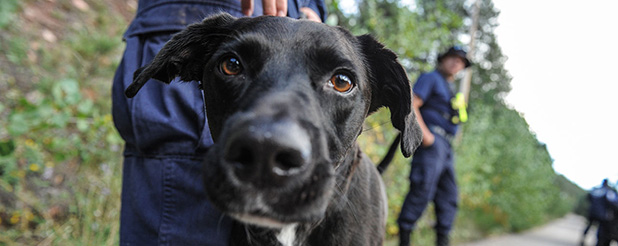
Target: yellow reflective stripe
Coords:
[(459, 104)]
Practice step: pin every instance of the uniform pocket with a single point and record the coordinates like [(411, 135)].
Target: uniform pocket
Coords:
[(166, 119)]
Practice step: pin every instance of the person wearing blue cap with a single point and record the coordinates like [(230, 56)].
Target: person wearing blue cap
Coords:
[(165, 129), (432, 176)]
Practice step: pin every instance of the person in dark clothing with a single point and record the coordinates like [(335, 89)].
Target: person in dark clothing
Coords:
[(165, 129), (603, 210), (596, 211), (432, 177)]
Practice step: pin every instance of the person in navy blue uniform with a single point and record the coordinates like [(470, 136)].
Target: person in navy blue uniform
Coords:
[(432, 176), (165, 129), (598, 209), (603, 210)]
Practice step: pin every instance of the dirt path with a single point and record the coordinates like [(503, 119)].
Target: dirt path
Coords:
[(566, 231)]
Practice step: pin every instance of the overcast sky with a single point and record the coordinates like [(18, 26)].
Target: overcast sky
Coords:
[(563, 56)]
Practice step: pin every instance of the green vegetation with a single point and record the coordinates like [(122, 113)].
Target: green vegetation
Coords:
[(59, 152), (7, 9), (60, 157)]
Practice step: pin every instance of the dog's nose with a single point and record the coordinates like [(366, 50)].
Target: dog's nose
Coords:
[(267, 153)]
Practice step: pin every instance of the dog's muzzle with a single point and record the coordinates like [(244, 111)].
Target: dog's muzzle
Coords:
[(269, 171)]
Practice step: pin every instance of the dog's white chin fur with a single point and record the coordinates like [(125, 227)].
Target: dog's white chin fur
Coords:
[(286, 236)]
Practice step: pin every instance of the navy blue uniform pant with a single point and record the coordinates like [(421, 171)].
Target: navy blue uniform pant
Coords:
[(432, 178), (607, 232)]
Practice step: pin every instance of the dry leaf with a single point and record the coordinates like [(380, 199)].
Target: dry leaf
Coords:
[(81, 5), (49, 36)]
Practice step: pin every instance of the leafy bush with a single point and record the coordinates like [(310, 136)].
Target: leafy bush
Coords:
[(506, 176)]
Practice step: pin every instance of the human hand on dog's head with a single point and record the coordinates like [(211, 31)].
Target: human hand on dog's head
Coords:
[(277, 8), (269, 7)]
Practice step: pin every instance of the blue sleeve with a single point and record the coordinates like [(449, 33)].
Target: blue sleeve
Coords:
[(612, 199), (423, 86), (318, 6)]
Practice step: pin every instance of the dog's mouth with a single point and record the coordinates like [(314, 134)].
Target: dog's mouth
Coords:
[(264, 211), (273, 207), (259, 220)]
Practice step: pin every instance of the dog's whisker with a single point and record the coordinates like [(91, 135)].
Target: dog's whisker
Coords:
[(373, 128), (219, 223), (345, 200), (248, 234), (352, 207)]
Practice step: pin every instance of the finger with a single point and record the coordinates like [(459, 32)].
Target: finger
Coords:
[(311, 15), (269, 7), (247, 7), (282, 7)]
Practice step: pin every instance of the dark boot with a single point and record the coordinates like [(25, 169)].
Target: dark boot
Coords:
[(442, 240), (404, 237)]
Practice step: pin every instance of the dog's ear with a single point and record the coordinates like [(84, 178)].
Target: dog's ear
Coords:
[(184, 55), (391, 88)]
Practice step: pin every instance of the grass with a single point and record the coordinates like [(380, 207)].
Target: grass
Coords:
[(60, 156)]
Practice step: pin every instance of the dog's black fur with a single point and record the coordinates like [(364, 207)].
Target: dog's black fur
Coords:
[(285, 155)]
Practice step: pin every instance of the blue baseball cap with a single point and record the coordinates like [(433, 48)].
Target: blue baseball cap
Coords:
[(456, 51)]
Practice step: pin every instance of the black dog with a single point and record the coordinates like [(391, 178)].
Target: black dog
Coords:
[(286, 100)]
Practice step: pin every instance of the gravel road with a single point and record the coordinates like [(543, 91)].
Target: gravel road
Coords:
[(566, 231)]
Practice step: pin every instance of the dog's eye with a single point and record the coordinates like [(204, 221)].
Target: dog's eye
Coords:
[(231, 66), (341, 83)]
